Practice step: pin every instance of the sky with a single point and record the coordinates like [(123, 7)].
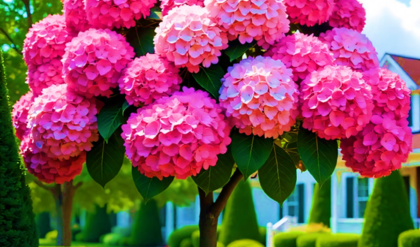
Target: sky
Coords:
[(393, 26)]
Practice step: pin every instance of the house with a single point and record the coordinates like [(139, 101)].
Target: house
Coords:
[(350, 192)]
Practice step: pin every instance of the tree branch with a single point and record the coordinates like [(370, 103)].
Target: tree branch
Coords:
[(78, 185), (11, 41), (44, 186), (28, 12), (226, 192)]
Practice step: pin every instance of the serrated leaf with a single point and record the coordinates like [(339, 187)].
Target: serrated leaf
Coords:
[(104, 161), (318, 155), (278, 175), (237, 50), (149, 187), (250, 152), (216, 176), (209, 79), (110, 118)]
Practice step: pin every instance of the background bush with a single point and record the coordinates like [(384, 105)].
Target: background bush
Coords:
[(286, 239), (178, 235), (338, 240), (410, 238), (245, 243), (309, 239), (97, 224), (321, 204)]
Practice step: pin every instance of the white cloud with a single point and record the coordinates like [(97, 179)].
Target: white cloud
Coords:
[(393, 27)]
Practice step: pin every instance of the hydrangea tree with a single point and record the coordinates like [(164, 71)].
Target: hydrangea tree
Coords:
[(215, 90)]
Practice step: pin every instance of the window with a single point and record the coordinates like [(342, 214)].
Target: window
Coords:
[(410, 116), (357, 195), (296, 204)]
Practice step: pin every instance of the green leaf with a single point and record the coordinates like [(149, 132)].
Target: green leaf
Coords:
[(278, 175), (104, 161), (125, 106), (111, 117), (236, 49), (149, 187), (142, 40), (209, 79), (250, 152), (318, 155), (216, 176)]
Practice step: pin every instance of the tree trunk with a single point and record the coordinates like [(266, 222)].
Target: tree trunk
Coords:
[(58, 198), (208, 221), (67, 207)]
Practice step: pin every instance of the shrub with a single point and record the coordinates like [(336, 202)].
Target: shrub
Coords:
[(97, 224), (387, 213), (263, 235), (410, 238), (321, 204), (309, 240), (195, 238), (52, 235), (43, 221), (245, 243), (147, 229), (240, 219), (17, 223), (186, 242), (338, 240), (178, 235), (286, 239)]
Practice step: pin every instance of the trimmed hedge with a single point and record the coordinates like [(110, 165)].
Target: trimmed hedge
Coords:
[(195, 239), (387, 213), (240, 220), (17, 221), (338, 240), (286, 239), (263, 235), (97, 224), (180, 234), (245, 243), (43, 223), (309, 240), (410, 238), (321, 204), (186, 243)]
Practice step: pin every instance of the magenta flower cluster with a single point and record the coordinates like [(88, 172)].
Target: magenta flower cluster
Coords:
[(94, 61), (149, 78), (189, 38), (331, 84), (177, 136), (260, 97)]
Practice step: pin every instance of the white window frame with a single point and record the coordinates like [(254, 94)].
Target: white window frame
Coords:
[(343, 213)]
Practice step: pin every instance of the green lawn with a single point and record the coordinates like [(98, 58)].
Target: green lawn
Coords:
[(49, 243)]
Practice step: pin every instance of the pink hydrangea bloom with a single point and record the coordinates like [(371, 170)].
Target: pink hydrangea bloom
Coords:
[(167, 5), (302, 53), (63, 124), (177, 136), (20, 114), (149, 78), (390, 94), (117, 13), (349, 14), (379, 149), (94, 61), (309, 12), (351, 48), (260, 97), (336, 102), (262, 20), (187, 37), (47, 169), (43, 49), (75, 15)]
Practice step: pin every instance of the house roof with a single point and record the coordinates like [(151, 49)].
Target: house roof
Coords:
[(410, 65)]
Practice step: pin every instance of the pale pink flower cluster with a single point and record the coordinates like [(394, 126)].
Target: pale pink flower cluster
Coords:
[(260, 97), (188, 37), (149, 78), (47, 169), (167, 5), (20, 114), (309, 12), (75, 15), (117, 13), (336, 102), (302, 53), (94, 61), (351, 48), (379, 149), (43, 49), (177, 136), (386, 142), (262, 20), (349, 14), (62, 123)]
